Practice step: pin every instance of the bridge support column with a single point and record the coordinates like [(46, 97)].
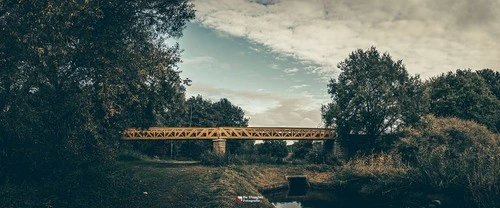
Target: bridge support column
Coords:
[(219, 146)]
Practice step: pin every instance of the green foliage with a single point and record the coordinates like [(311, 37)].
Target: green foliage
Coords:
[(301, 149), (205, 113), (373, 95), (467, 95), (75, 74), (452, 155), (199, 112), (273, 149), (211, 158), (492, 79), (229, 115), (194, 148)]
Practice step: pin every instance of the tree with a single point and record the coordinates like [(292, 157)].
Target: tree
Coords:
[(467, 95), (75, 74), (301, 149), (492, 79), (274, 149), (373, 95), (205, 113), (229, 115)]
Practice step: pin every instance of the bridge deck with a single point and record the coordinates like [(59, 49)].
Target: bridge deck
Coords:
[(259, 133)]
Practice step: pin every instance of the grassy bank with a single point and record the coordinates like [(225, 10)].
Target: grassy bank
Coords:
[(138, 183), (174, 184), (270, 177), (145, 182)]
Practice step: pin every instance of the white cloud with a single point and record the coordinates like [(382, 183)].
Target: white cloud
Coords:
[(299, 86), (198, 60), (430, 36), (274, 66), (265, 109), (291, 70)]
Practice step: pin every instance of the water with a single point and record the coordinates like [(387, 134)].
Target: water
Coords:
[(319, 199)]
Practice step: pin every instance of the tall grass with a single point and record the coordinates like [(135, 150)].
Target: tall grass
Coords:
[(455, 156), (381, 175), (376, 165)]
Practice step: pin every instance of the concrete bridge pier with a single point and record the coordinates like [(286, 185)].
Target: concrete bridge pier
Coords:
[(219, 146)]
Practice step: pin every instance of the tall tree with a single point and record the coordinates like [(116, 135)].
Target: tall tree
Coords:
[(229, 115), (492, 79), (302, 148), (205, 113), (275, 149), (467, 95), (76, 73), (372, 95)]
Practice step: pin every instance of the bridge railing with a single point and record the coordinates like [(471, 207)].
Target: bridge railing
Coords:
[(259, 133)]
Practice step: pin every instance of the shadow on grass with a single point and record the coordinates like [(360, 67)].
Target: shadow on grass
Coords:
[(163, 163)]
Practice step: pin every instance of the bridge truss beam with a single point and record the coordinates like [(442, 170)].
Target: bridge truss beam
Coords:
[(253, 133)]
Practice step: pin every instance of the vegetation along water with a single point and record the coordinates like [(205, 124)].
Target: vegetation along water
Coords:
[(75, 74)]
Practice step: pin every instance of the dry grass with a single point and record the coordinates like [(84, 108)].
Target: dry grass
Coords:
[(453, 155), (378, 165), (266, 177)]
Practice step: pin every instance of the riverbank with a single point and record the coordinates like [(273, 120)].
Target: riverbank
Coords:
[(159, 183), (193, 185)]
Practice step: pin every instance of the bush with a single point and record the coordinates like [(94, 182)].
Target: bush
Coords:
[(211, 158), (453, 155)]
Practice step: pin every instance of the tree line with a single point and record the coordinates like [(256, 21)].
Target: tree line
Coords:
[(374, 96), (75, 74)]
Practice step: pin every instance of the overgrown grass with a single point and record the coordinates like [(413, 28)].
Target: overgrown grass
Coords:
[(382, 174), (456, 157), (455, 160), (376, 166)]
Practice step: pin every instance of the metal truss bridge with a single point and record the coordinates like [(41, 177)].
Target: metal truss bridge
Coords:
[(218, 133)]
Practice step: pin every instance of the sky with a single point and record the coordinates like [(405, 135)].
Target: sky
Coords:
[(274, 58)]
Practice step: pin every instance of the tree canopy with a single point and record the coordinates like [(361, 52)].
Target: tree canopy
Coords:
[(373, 94), (273, 148), (205, 113), (467, 95), (492, 79), (76, 73)]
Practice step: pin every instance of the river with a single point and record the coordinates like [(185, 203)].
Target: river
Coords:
[(321, 199)]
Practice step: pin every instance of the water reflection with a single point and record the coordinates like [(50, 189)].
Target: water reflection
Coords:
[(287, 204), (306, 198), (319, 199)]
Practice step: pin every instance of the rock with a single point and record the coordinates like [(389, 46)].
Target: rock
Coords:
[(435, 203)]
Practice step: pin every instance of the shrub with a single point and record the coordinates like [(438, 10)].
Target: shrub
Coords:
[(453, 155), (211, 158)]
